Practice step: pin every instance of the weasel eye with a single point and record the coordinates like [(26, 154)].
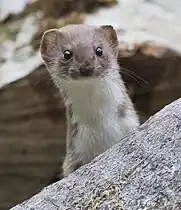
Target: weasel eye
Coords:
[(99, 51), (67, 54)]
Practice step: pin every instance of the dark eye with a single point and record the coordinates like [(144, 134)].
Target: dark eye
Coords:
[(67, 54), (99, 51)]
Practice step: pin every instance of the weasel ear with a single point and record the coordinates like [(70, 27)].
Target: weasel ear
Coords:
[(110, 34), (49, 44)]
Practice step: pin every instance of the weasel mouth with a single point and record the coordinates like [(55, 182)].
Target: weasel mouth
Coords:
[(86, 72), (82, 74)]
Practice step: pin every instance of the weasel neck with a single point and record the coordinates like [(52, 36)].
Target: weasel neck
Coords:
[(92, 100)]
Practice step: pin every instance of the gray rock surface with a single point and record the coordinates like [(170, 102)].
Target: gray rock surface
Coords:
[(142, 172)]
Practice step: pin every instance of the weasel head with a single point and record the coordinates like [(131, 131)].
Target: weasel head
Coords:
[(78, 53)]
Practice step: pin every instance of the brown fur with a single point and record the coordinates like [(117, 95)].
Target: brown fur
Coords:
[(82, 41)]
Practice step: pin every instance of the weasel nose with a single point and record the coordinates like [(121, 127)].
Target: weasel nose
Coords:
[(86, 71)]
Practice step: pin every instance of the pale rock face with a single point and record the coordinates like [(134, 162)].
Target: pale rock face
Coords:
[(142, 20), (11, 7)]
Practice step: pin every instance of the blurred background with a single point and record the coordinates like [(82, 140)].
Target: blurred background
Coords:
[(32, 115)]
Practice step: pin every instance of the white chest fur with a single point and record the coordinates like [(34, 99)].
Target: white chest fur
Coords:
[(95, 106)]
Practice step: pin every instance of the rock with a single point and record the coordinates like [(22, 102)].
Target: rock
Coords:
[(153, 72), (141, 172), (32, 137)]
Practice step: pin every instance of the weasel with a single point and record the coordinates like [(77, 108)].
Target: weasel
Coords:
[(82, 61)]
